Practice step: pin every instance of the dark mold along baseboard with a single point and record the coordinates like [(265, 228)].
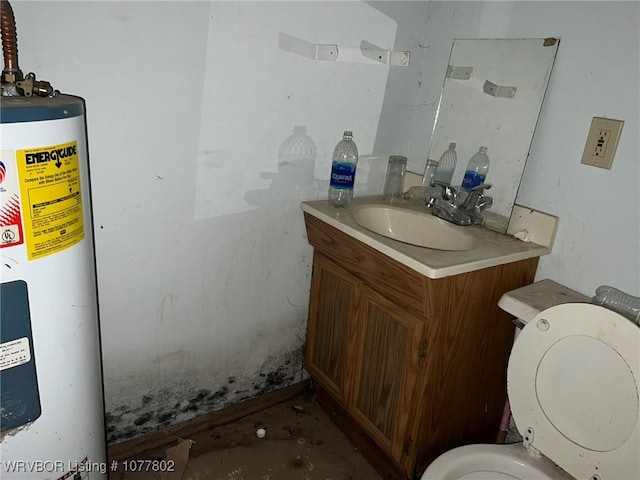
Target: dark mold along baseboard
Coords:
[(169, 407)]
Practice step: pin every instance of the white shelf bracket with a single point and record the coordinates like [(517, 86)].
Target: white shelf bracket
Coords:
[(494, 90), (327, 52), (330, 52), (459, 73)]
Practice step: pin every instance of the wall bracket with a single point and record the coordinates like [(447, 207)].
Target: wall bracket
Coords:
[(333, 53), (330, 52), (494, 90)]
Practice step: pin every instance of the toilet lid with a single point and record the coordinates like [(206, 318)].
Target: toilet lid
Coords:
[(573, 381)]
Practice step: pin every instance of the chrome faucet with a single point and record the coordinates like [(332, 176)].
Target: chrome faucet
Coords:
[(446, 207), (469, 212), (476, 202)]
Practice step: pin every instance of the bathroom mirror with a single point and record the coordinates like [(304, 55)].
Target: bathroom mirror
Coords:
[(492, 96)]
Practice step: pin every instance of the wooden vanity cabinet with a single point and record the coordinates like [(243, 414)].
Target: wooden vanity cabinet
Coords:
[(386, 361), (408, 367), (365, 351), (331, 327)]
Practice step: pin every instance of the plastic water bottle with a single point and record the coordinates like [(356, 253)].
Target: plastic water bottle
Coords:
[(618, 301), (343, 171), (477, 169), (446, 165)]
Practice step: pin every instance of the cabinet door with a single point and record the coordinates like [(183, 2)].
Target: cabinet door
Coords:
[(332, 315), (389, 353)]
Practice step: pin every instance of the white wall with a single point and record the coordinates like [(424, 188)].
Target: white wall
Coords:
[(596, 73), (203, 264)]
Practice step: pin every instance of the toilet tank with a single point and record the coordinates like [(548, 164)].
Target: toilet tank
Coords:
[(526, 302)]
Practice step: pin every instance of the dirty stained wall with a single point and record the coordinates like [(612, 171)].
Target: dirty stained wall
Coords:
[(204, 136), (203, 265)]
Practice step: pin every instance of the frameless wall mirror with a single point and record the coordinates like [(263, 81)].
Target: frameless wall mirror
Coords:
[(492, 95)]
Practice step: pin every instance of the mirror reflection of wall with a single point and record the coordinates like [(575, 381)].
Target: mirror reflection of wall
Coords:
[(492, 96)]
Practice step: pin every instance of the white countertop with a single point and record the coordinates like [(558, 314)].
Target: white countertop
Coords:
[(493, 248)]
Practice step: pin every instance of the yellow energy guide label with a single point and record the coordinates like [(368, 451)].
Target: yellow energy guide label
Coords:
[(51, 198)]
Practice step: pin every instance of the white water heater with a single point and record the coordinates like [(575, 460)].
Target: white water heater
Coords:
[(51, 401)]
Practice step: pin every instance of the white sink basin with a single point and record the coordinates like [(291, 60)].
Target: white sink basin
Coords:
[(413, 227)]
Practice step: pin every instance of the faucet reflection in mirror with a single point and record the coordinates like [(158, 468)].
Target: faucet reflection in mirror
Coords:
[(492, 95)]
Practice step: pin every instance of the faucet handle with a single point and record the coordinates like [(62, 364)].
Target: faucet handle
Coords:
[(480, 188), (475, 197), (449, 193)]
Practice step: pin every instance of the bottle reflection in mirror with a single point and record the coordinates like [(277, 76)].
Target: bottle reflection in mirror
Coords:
[(477, 169), (446, 165)]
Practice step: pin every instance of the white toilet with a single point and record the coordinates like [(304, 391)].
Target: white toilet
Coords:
[(573, 384)]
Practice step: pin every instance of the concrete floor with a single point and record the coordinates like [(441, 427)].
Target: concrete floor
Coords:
[(301, 443)]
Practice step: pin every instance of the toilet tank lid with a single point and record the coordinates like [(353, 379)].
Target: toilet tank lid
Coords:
[(526, 302)]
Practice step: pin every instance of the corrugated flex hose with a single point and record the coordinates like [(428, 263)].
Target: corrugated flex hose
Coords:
[(9, 37), (618, 301)]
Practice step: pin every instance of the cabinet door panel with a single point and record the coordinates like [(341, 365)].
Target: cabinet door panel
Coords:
[(386, 370), (331, 313)]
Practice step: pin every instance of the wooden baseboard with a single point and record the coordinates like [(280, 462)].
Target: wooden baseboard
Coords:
[(378, 459), (167, 436)]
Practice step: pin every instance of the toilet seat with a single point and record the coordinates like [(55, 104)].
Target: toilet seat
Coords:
[(493, 462), (573, 383)]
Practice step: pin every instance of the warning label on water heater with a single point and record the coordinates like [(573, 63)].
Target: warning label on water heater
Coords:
[(10, 219), (14, 353), (51, 198)]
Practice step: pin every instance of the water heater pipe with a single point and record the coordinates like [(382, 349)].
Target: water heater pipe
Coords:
[(11, 72), (13, 82)]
